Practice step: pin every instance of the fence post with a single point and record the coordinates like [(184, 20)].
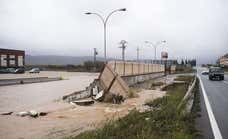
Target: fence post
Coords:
[(138, 68), (132, 68), (143, 67), (148, 67), (124, 69), (115, 66)]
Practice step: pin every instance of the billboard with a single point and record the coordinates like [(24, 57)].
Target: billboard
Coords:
[(164, 55)]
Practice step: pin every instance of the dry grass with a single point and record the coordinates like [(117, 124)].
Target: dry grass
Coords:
[(132, 93)]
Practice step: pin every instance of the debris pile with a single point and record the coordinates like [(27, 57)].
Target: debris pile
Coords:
[(31, 113), (109, 87)]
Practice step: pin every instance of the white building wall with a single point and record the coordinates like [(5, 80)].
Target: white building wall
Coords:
[(20, 61), (3, 61)]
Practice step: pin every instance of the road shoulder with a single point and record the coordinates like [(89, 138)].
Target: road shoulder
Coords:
[(203, 122)]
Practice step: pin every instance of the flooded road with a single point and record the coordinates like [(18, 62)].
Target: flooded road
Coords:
[(41, 95), (44, 96), (63, 119)]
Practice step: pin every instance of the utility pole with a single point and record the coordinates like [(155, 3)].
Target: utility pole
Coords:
[(95, 53), (123, 47), (137, 54)]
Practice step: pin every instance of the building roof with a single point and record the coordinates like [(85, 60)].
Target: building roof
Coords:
[(225, 56), (11, 51)]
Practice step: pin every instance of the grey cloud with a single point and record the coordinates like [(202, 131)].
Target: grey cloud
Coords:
[(193, 29)]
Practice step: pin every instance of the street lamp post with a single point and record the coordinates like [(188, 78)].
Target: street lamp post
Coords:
[(155, 46), (137, 54), (104, 21), (95, 53)]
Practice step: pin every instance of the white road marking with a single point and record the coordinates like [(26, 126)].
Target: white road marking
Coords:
[(225, 82), (214, 125)]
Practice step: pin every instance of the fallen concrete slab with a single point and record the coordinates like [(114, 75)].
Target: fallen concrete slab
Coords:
[(84, 102)]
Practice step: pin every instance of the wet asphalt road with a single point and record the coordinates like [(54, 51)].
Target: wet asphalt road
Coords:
[(217, 92)]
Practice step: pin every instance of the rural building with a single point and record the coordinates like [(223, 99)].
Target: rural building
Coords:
[(10, 58), (224, 60)]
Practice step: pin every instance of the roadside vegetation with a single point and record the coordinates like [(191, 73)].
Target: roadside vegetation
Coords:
[(165, 120), (185, 66), (184, 69), (156, 84), (186, 78), (132, 93)]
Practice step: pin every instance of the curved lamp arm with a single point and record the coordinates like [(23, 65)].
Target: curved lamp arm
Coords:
[(155, 44), (106, 20), (102, 19)]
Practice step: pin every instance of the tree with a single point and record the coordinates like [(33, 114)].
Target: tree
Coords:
[(186, 61), (182, 62)]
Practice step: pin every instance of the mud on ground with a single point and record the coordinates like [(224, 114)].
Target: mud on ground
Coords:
[(66, 119)]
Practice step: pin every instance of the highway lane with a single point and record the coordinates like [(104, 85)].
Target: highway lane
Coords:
[(217, 92)]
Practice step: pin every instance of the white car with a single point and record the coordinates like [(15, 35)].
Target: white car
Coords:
[(34, 70), (205, 72)]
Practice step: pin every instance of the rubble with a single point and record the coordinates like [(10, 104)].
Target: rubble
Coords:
[(43, 113), (7, 113), (114, 98), (99, 95), (95, 91), (84, 102), (23, 113), (33, 113)]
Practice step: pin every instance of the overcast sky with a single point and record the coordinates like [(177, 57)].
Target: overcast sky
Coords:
[(192, 28)]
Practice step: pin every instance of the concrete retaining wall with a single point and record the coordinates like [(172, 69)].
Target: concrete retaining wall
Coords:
[(133, 79), (135, 68)]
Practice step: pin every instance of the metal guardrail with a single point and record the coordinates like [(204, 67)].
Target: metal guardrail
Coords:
[(188, 93)]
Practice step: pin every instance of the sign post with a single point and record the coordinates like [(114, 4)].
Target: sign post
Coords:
[(164, 56)]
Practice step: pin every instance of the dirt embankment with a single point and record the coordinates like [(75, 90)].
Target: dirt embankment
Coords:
[(71, 119)]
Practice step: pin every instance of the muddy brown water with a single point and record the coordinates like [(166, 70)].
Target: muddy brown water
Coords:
[(36, 95), (44, 96), (64, 119)]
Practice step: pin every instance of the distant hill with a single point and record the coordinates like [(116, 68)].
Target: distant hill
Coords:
[(57, 60)]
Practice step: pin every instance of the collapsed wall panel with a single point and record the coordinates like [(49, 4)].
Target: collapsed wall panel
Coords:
[(115, 79), (118, 75), (111, 82)]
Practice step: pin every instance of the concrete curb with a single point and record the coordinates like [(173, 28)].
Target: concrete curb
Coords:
[(19, 81)]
